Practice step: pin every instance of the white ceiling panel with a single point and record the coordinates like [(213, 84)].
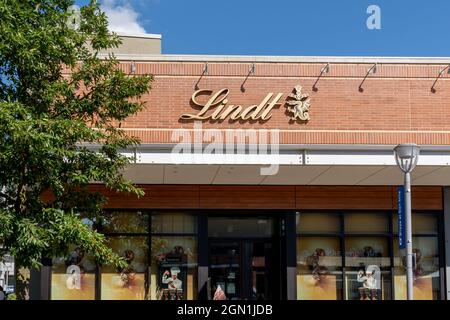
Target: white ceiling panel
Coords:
[(189, 174), (344, 175), (392, 176), (145, 173), (239, 175), (288, 175), (439, 176)]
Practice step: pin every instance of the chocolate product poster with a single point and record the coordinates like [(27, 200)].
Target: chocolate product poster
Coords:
[(172, 275)]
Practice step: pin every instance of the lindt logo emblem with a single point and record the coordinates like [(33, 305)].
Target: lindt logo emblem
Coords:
[(299, 104), (219, 108)]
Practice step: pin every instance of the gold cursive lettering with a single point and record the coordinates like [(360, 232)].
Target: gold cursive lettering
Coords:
[(266, 115), (218, 101)]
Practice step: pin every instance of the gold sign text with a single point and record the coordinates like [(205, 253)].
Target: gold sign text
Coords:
[(217, 107)]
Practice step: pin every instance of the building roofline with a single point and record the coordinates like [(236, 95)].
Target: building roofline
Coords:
[(283, 59), (138, 35)]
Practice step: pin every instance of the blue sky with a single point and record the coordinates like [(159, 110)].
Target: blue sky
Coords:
[(288, 27)]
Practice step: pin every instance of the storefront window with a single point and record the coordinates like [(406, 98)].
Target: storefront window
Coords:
[(361, 270), (319, 268), (366, 223), (318, 223), (174, 268), (426, 251), (173, 258), (367, 268), (125, 222), (426, 284), (127, 283), (173, 223), (225, 227), (73, 276), (422, 224)]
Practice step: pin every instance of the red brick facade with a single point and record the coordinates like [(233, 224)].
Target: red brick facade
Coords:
[(396, 105)]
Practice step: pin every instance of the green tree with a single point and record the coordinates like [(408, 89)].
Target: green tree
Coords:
[(61, 105)]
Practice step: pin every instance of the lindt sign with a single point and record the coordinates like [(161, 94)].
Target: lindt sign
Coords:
[(218, 107)]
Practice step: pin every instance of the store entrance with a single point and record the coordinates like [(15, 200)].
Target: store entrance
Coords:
[(243, 258), (242, 268)]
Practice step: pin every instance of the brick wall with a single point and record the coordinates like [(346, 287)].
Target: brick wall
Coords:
[(396, 105)]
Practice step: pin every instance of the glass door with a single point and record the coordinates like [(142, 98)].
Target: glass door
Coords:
[(225, 268), (244, 257), (259, 255), (242, 268)]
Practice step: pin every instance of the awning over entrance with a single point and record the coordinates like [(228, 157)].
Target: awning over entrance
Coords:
[(298, 165)]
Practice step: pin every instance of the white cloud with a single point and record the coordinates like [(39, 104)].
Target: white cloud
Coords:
[(122, 17)]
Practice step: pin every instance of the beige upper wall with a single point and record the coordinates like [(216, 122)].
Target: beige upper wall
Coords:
[(138, 45)]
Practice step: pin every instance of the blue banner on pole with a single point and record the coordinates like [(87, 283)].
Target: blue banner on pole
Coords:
[(401, 217)]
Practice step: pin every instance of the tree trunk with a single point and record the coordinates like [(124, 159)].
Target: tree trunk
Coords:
[(22, 283)]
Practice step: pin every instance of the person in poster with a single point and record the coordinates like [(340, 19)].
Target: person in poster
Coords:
[(318, 271), (318, 283), (173, 273), (127, 274), (369, 289), (171, 279)]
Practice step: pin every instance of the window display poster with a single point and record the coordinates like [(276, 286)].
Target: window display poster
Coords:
[(422, 288), (126, 283), (172, 275), (318, 268), (311, 288), (73, 277)]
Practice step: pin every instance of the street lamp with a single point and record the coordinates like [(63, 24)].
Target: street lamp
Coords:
[(406, 156)]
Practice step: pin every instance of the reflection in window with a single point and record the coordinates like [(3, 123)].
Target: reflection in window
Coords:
[(318, 223), (422, 223), (73, 276), (234, 227), (319, 268), (127, 283), (173, 223), (367, 268), (426, 269), (366, 223), (174, 268), (125, 222)]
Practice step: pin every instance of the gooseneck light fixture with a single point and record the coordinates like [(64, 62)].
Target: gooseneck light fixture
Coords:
[(371, 70), (325, 69), (406, 157), (204, 72), (251, 71), (441, 72)]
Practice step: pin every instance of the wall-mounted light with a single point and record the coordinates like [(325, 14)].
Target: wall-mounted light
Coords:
[(441, 72), (132, 67), (251, 71), (205, 71), (371, 70), (324, 69)]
